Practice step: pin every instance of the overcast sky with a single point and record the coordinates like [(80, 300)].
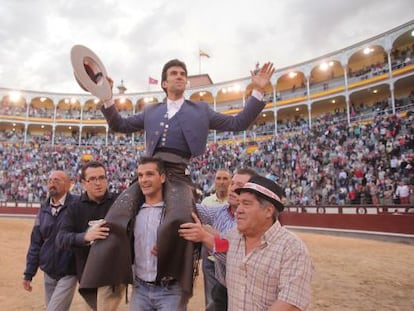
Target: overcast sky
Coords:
[(134, 38)]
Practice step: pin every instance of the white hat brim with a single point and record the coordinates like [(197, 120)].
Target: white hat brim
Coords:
[(81, 56)]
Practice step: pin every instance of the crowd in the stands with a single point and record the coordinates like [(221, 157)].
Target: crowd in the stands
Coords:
[(368, 162)]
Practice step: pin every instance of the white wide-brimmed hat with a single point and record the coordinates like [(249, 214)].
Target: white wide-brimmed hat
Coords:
[(90, 73)]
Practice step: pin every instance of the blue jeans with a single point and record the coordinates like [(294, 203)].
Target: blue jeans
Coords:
[(148, 297), (59, 293)]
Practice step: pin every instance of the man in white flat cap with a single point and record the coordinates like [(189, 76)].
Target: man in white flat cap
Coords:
[(267, 267)]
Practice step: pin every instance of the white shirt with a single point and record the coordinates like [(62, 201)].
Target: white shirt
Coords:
[(56, 207), (145, 238), (173, 106), (402, 191)]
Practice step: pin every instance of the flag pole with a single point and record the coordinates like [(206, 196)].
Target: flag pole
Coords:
[(199, 62), (201, 53)]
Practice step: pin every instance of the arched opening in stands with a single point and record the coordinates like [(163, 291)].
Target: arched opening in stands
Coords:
[(39, 134), (68, 109), (11, 132), (13, 104), (124, 106), (203, 96), (292, 118), (91, 110), (142, 102), (93, 135), (67, 135), (368, 102), (335, 105), (41, 107)]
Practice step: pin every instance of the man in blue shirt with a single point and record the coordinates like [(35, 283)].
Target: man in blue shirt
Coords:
[(221, 219), (221, 184), (150, 293)]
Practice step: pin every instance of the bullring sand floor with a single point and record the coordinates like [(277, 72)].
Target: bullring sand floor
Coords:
[(351, 273)]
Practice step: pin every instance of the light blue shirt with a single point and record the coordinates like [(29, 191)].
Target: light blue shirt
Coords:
[(222, 219), (145, 233)]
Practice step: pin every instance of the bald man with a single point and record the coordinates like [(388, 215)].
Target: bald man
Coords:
[(58, 265)]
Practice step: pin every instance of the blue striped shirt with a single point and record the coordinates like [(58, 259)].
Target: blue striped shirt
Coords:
[(221, 218)]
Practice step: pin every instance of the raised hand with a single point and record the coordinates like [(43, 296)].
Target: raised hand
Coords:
[(111, 82), (261, 78)]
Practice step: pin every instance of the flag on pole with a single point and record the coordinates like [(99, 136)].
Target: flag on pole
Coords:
[(202, 53), (152, 81)]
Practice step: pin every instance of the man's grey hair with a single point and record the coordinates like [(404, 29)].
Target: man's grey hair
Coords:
[(264, 203)]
